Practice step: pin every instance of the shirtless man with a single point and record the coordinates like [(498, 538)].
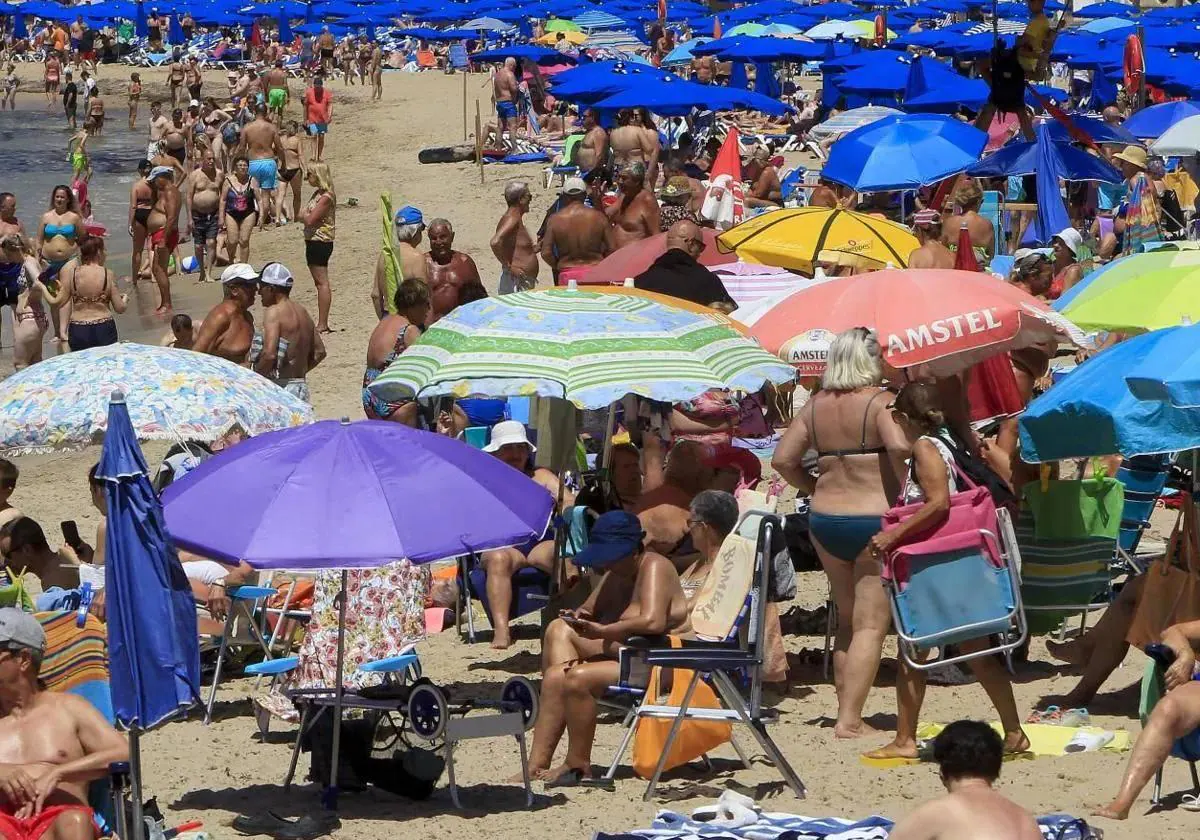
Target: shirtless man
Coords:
[(260, 140), (240, 91), (512, 244), (630, 144), (669, 490), (228, 329), (638, 595), (969, 756), (324, 49), (175, 77), (591, 153), (159, 123), (376, 70), (291, 346), (9, 223), (175, 139), (52, 744), (576, 237), (635, 214), (276, 86), (77, 29), (194, 79), (141, 200), (453, 275), (766, 190), (409, 224), (705, 69), (504, 87), (927, 225), (163, 227), (202, 197)]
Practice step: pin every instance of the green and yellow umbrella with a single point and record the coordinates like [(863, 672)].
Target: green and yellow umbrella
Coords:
[(1137, 293)]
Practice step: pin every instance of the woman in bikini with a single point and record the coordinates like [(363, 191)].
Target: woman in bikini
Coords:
[(391, 337), (53, 71), (90, 290), (58, 242), (95, 114), (241, 199), (135, 96), (290, 174), (860, 454), (21, 289), (11, 83)]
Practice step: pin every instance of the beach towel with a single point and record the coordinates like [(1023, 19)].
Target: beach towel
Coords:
[(1045, 740), (76, 658), (393, 274), (1141, 215), (519, 157)]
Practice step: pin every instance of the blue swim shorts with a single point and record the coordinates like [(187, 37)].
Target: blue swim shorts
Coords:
[(265, 171), (506, 110), (317, 128)]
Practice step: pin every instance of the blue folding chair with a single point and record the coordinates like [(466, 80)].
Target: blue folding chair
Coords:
[(244, 604), (990, 209), (1186, 748), (1144, 478)]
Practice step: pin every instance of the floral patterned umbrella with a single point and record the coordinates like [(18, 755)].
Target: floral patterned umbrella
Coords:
[(62, 403)]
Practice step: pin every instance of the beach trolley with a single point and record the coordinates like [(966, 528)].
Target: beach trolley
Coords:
[(949, 588), (408, 705)]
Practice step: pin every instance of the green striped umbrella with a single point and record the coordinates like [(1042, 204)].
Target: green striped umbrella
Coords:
[(589, 347)]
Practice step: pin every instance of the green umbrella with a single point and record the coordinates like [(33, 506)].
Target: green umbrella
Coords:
[(560, 25), (1138, 293)]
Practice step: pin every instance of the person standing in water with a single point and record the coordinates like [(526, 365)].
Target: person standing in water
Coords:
[(141, 201), (58, 242), (202, 197), (163, 226)]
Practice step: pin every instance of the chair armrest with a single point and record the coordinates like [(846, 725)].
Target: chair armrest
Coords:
[(390, 665), (252, 593), (271, 667), (701, 659)]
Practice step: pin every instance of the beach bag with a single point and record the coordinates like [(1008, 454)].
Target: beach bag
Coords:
[(695, 737), (979, 472), (13, 594), (971, 510), (1172, 590), (1078, 509)]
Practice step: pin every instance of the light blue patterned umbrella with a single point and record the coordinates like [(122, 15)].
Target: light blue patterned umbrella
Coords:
[(62, 403)]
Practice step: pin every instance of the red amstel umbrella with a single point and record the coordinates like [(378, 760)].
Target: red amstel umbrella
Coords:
[(634, 258), (944, 319)]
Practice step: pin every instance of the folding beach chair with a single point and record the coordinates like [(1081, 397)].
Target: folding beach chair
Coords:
[(1186, 748), (992, 210), (734, 656), (565, 169), (241, 630), (1145, 478), (952, 589), (1060, 578)]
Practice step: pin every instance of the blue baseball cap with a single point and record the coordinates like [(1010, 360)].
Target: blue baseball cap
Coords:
[(409, 215), (616, 535)]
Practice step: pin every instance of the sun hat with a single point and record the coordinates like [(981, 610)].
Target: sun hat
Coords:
[(239, 273), (20, 629), (615, 536), (1024, 253), (409, 215), (506, 432), (1135, 155), (678, 186), (276, 274), (159, 171), (1071, 238), (574, 186)]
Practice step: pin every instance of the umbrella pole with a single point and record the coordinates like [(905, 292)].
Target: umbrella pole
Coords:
[(338, 691), (609, 428), (137, 831)]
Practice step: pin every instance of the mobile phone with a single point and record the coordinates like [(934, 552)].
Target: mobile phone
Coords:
[(70, 532)]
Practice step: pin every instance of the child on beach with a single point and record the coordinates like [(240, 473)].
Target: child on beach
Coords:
[(77, 155), (135, 94)]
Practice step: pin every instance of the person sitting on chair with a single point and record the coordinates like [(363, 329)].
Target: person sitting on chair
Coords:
[(510, 443), (1174, 716), (638, 595), (969, 754), (52, 744)]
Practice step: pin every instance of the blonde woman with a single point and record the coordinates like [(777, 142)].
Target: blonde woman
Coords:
[(319, 222)]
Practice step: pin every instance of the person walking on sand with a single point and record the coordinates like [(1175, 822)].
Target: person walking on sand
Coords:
[(320, 216), (289, 345), (264, 151), (376, 68), (163, 227), (512, 244), (276, 86), (202, 197), (324, 49), (241, 204), (576, 236), (409, 224), (318, 113)]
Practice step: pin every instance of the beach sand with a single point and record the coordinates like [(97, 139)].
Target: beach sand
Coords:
[(214, 772)]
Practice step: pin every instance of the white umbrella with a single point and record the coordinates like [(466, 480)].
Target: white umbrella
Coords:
[(850, 120), (1180, 140)]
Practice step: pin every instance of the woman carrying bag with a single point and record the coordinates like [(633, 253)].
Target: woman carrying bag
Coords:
[(932, 479)]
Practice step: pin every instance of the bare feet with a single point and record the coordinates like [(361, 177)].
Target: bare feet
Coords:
[(857, 730), (1016, 742), (894, 750), (565, 775), (501, 639), (1112, 812), (1073, 652), (163, 311)]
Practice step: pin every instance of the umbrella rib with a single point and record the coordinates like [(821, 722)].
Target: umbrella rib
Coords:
[(761, 230), (823, 235), (903, 263)]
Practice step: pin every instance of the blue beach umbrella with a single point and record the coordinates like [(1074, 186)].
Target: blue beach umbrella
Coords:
[(903, 152), (1093, 411), (1051, 216), (1107, 9), (1107, 25), (1172, 374), (1150, 123), (153, 647), (140, 27), (1099, 130), (1024, 158), (676, 97)]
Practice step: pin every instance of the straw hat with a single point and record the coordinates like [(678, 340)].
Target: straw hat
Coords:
[(1135, 155), (677, 186)]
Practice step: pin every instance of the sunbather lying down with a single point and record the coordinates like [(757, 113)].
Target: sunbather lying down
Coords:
[(51, 744)]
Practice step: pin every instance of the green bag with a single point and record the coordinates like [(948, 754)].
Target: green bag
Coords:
[(1072, 510), (14, 594)]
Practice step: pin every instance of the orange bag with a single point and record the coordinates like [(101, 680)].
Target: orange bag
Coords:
[(1172, 590), (695, 737)]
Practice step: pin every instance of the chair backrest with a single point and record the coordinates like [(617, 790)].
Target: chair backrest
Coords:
[(1144, 477), (990, 210), (1153, 690), (76, 658), (719, 608)]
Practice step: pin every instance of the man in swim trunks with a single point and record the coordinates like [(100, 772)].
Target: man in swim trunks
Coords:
[(504, 86), (635, 214), (202, 197), (289, 345), (576, 236), (275, 83), (264, 150), (159, 123), (318, 113), (325, 45), (163, 226), (453, 275), (52, 744), (228, 328), (78, 27), (512, 244)]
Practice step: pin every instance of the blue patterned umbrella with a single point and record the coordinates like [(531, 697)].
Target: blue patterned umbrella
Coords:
[(62, 403)]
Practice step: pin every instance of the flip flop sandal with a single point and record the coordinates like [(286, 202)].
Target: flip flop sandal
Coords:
[(575, 778), (1190, 802), (1051, 715)]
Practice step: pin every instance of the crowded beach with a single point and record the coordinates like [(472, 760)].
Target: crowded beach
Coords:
[(674, 421)]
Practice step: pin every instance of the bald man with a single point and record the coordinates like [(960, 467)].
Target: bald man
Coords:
[(678, 274), (504, 86)]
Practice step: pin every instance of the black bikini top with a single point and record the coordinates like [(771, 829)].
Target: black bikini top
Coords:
[(862, 449)]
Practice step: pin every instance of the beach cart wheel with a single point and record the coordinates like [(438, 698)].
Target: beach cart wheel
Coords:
[(520, 690), (427, 711)]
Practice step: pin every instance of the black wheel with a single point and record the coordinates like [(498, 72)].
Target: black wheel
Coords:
[(520, 690), (427, 711)]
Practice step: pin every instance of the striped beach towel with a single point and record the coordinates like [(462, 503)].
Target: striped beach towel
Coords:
[(1060, 573), (76, 658), (1141, 216)]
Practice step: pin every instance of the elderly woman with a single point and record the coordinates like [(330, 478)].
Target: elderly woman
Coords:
[(860, 454), (1066, 267), (391, 337)]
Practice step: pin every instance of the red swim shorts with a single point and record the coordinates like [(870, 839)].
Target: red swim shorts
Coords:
[(156, 239), (33, 828)]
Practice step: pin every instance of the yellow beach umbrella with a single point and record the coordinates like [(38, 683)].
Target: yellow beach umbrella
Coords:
[(551, 38), (800, 238)]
